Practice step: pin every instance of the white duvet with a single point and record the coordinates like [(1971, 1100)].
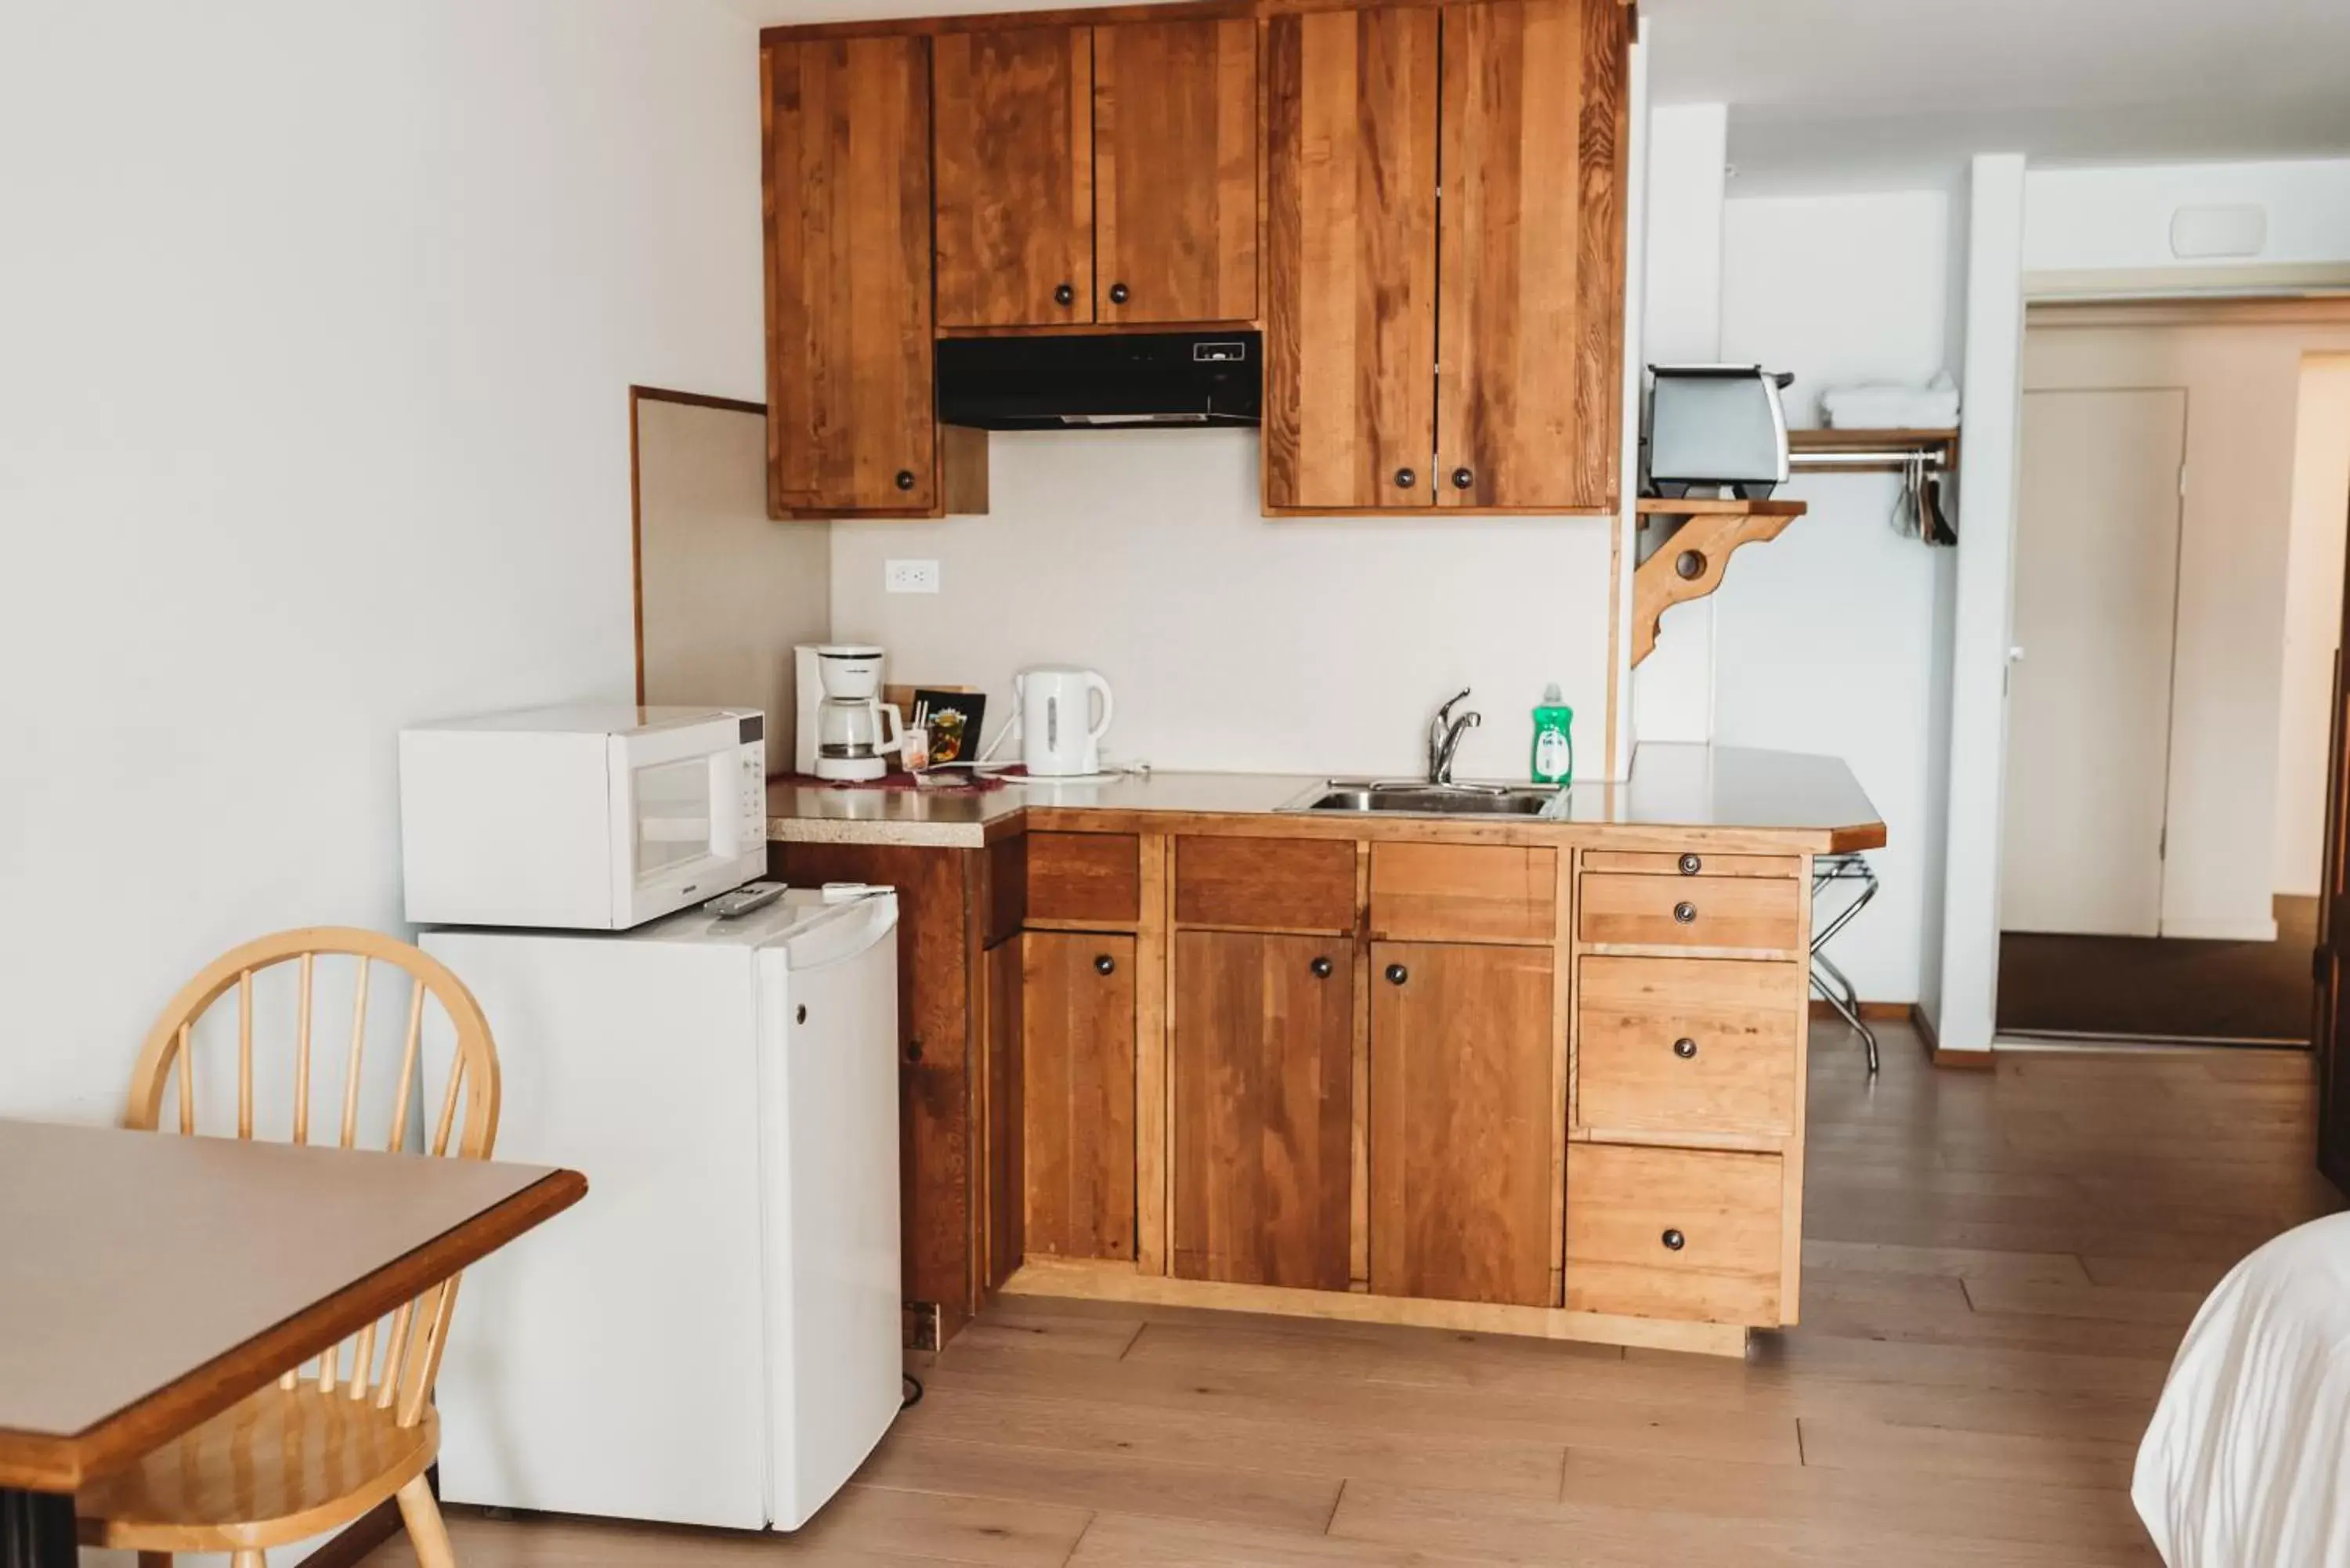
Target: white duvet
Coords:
[(2247, 1464)]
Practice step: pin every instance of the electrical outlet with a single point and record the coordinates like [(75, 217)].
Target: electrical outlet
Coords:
[(910, 577)]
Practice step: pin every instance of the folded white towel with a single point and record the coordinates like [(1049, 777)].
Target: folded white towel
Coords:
[(1889, 405)]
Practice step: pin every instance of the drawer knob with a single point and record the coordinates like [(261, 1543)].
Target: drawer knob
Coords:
[(1685, 1048), (1065, 294), (1692, 865), (1405, 479), (1321, 968), (1105, 964), (1398, 974), (1685, 912), (1464, 478), (1675, 1240), (905, 479), (1119, 293)]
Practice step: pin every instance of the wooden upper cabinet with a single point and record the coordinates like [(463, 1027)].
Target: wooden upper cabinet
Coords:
[(1531, 313), (851, 424), (1175, 171), (1016, 195), (1462, 1146), (1263, 1066), (1350, 308)]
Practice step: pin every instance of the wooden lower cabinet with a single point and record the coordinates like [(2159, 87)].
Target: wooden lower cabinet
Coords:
[(1262, 1065), (1463, 1152), (1078, 1032), (1674, 1233)]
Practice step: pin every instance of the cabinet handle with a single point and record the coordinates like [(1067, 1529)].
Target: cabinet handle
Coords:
[(1462, 479), (1685, 911), (1118, 295), (1105, 964), (1321, 968), (1064, 295), (1405, 479), (1398, 974), (1675, 1240), (1692, 865), (1685, 1048), (905, 479)]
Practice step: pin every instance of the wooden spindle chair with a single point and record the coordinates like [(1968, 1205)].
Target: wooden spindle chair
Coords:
[(333, 1440)]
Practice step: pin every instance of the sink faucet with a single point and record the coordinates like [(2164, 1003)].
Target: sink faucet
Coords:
[(1444, 734)]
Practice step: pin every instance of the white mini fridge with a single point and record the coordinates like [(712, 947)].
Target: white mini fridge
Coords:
[(711, 1335)]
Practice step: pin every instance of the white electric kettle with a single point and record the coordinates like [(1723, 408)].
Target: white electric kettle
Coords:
[(1059, 736)]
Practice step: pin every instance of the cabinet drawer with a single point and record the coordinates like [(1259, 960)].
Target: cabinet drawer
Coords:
[(1688, 1046), (1095, 877), (1691, 912), (1673, 1233), (1691, 862), (1266, 883), (1456, 892)]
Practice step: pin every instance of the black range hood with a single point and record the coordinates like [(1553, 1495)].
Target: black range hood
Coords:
[(1102, 380)]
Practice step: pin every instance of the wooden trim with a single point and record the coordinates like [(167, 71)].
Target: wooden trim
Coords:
[(1431, 513), (1656, 949), (1082, 1280), (1961, 1061), (1713, 1142), (1562, 1091), (1154, 1077), (42, 1462), (1792, 1165), (1097, 329), (1359, 1222), (1884, 1012), (1102, 17)]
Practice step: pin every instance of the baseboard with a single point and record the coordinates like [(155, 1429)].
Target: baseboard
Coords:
[(1873, 1011), (350, 1545), (2252, 931), (1960, 1061)]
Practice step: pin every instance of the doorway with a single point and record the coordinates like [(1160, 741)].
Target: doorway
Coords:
[(2183, 498)]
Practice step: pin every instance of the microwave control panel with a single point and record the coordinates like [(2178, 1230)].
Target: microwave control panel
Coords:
[(754, 755)]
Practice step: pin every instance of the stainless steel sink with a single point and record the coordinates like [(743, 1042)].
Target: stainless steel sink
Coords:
[(1426, 800)]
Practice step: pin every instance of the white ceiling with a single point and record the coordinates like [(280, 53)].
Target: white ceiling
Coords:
[(1833, 94), (1845, 92)]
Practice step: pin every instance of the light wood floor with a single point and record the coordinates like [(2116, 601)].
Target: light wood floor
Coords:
[(1999, 1266)]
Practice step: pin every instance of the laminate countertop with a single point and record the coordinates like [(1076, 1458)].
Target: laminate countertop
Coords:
[(1778, 800)]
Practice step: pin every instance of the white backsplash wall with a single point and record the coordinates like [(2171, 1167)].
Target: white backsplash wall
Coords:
[(1236, 642)]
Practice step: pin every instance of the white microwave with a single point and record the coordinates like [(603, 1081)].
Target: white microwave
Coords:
[(587, 818)]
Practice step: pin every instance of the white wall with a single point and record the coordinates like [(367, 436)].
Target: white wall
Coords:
[(1823, 637), (2108, 219), (1235, 641), (320, 322), (2312, 620)]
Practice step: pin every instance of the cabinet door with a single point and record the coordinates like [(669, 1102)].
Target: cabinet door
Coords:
[(1461, 1141), (1175, 157), (1263, 1073), (850, 414), (1016, 238), (1076, 1004), (1531, 387), (1350, 307)]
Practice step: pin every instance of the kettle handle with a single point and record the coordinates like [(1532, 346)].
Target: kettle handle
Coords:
[(1094, 683)]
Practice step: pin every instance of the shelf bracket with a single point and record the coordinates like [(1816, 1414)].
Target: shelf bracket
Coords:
[(1689, 564)]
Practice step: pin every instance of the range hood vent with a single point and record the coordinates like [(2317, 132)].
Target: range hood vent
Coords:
[(1102, 380)]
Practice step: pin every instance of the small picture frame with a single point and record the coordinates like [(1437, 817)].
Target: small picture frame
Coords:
[(953, 720)]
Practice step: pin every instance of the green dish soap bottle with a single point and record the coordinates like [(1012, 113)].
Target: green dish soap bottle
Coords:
[(1554, 739)]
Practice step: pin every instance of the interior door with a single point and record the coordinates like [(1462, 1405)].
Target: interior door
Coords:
[(1015, 203), (1531, 262), (1263, 1104), (2327, 1030), (2096, 590), (1350, 308), (1175, 171), (851, 425)]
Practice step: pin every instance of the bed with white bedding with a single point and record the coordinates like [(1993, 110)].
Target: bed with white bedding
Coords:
[(2247, 1463)]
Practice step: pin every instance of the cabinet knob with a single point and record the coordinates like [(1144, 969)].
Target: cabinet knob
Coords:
[(1117, 293), (913, 1050), (1685, 911), (905, 479), (1692, 865), (1064, 295), (1685, 1047), (1462, 479), (1105, 964), (1398, 974), (1321, 968), (1405, 479), (1675, 1240)]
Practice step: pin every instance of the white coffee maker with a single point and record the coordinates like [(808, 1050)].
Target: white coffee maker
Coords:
[(850, 734)]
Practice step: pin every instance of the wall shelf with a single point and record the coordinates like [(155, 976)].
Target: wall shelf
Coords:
[(1887, 450), (1689, 563)]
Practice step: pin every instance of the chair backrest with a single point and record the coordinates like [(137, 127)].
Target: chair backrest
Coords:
[(400, 1379)]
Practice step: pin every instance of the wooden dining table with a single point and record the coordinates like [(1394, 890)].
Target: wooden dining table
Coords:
[(149, 1282)]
